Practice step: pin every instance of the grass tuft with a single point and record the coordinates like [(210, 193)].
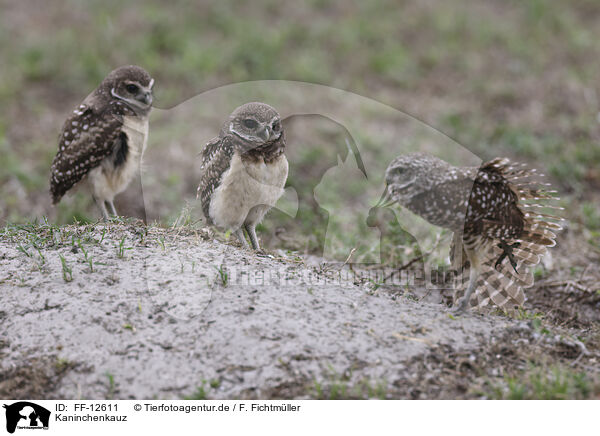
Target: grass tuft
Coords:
[(67, 271), (539, 383)]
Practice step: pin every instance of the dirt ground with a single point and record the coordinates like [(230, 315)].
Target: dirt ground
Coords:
[(146, 312)]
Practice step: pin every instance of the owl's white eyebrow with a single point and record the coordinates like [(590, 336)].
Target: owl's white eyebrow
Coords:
[(151, 84)]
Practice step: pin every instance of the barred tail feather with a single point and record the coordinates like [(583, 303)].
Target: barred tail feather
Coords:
[(494, 288), (499, 289), (532, 248), (501, 284)]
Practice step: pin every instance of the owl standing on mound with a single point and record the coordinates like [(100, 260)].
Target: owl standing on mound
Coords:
[(244, 170), (493, 210), (103, 141)]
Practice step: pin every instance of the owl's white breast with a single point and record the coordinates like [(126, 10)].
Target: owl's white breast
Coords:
[(247, 191), (136, 129), (108, 180)]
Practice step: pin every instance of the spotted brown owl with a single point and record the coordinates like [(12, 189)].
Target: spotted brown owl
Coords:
[(104, 139), (244, 170), (493, 211)]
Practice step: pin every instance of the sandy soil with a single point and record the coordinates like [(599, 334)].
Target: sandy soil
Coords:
[(162, 313)]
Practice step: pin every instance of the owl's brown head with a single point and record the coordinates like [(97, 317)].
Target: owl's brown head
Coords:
[(256, 129), (411, 174), (131, 85)]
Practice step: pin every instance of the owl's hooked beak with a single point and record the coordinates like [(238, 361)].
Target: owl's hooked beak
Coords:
[(265, 134), (148, 98), (145, 97)]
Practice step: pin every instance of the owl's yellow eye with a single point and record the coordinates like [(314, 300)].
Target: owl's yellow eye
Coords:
[(250, 123), (276, 126), (131, 88)]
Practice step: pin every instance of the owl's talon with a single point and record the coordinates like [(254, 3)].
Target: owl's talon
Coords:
[(507, 251), (461, 306)]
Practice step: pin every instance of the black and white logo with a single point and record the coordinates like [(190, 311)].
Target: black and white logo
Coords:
[(26, 415)]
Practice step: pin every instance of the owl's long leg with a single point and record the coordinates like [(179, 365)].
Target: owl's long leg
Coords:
[(462, 304), (113, 211), (251, 229), (474, 271), (239, 233), (102, 208)]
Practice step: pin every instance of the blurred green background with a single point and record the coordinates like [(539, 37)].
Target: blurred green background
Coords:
[(517, 77)]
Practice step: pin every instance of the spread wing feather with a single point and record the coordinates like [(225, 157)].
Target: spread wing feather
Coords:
[(530, 233)]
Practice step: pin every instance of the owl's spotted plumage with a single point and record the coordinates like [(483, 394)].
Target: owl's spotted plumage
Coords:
[(244, 170), (103, 140), (490, 209)]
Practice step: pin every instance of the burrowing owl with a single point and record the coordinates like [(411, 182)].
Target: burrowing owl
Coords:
[(244, 170), (105, 138), (490, 209)]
